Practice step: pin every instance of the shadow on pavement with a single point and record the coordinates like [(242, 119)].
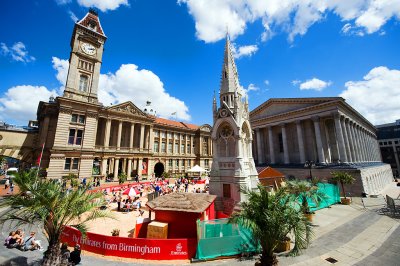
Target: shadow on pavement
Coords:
[(19, 261)]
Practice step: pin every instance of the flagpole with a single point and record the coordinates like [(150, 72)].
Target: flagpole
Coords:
[(40, 160)]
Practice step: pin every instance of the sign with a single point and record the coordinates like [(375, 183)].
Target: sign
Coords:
[(138, 248)]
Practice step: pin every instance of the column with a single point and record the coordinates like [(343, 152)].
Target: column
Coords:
[(107, 133), (116, 164), (365, 147), (123, 165), (141, 137), (320, 149), (140, 166), (131, 136), (111, 166), (147, 137), (180, 144), (354, 140), (271, 145), (351, 140), (104, 167), (151, 137), (346, 140), (285, 146), (358, 138), (260, 160), (119, 135), (128, 174), (191, 145), (300, 141), (339, 138)]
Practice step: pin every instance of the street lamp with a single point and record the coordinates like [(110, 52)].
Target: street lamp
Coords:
[(309, 165)]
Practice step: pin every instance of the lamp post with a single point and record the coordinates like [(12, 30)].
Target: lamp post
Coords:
[(309, 165)]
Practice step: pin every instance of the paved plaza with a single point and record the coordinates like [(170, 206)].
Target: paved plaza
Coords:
[(351, 235)]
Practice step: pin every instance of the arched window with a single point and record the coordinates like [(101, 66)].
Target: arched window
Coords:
[(83, 83)]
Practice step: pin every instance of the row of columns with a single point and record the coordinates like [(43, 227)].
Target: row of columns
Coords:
[(187, 140), (355, 143), (113, 166), (375, 182), (145, 139)]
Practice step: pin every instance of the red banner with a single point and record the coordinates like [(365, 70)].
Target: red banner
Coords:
[(139, 248)]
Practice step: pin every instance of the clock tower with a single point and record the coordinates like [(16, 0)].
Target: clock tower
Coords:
[(233, 166), (87, 45)]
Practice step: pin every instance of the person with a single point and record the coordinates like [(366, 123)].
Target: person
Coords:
[(98, 182), (12, 241), (30, 242), (65, 253), (186, 185), (137, 178), (84, 182), (7, 240), (7, 183), (75, 256), (119, 199), (11, 187)]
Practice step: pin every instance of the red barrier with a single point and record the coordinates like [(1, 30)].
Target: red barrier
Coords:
[(139, 248)]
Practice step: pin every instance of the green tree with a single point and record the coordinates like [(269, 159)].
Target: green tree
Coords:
[(343, 178), (46, 203), (122, 178), (271, 217), (300, 191)]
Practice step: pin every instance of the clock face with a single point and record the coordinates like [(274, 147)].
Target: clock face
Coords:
[(89, 49)]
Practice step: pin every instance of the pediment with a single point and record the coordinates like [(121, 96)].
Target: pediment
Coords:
[(126, 108), (280, 106)]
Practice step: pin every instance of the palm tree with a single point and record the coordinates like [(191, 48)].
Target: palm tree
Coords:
[(271, 217), (343, 178), (301, 191), (46, 203)]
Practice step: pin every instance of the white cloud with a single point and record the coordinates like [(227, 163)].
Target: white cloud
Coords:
[(291, 16), (61, 66), (103, 5), (266, 82), (140, 85), (63, 2), (296, 82), (17, 52), (246, 50), (314, 84), (72, 15), (20, 102), (377, 96), (250, 88)]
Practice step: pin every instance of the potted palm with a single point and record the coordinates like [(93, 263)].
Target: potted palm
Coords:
[(343, 178), (301, 191), (271, 217)]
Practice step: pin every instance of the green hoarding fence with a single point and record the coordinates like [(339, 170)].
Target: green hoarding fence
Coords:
[(217, 238)]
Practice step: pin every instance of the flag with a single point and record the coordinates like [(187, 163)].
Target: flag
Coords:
[(39, 159)]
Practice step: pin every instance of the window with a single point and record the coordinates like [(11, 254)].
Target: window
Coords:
[(83, 83), (75, 136), (183, 163), (156, 146), (163, 147), (280, 142), (226, 190), (75, 118), (176, 149), (156, 133), (169, 135), (182, 137), (176, 135), (390, 142), (71, 164), (206, 164), (177, 163), (170, 147), (170, 162), (188, 163), (188, 148), (182, 148), (163, 134)]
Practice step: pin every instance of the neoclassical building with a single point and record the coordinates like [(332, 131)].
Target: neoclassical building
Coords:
[(326, 133), (84, 137), (233, 165)]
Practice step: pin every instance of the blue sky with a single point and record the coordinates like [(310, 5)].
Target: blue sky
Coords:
[(171, 52)]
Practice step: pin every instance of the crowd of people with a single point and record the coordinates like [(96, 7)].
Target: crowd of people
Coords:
[(70, 258), (16, 239)]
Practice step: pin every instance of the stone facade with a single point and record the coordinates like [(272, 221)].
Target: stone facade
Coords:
[(326, 133), (233, 166), (84, 137), (389, 143)]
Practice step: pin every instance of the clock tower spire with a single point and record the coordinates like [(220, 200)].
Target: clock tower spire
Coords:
[(87, 45)]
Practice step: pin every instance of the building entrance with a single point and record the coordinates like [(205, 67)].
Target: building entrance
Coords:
[(158, 169)]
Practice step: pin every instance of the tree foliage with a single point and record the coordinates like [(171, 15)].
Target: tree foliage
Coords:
[(271, 217), (47, 204), (343, 178)]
